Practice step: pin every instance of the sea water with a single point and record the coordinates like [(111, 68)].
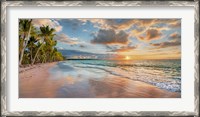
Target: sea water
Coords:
[(164, 74)]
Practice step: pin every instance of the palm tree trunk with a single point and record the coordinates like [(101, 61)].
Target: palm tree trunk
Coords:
[(22, 51), (37, 53), (24, 45), (44, 56), (51, 55), (31, 53)]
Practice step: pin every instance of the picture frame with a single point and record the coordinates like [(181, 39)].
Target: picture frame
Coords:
[(4, 71)]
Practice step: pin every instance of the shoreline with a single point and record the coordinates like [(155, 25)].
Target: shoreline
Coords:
[(25, 68), (36, 82)]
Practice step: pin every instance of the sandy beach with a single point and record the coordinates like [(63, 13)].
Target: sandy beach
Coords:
[(100, 58), (34, 83), (37, 82)]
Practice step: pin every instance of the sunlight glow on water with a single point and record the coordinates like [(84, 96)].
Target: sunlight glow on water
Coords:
[(165, 74)]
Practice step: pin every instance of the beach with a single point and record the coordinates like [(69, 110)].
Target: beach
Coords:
[(63, 80)]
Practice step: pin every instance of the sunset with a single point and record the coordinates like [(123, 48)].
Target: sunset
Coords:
[(100, 58), (138, 38), (127, 58)]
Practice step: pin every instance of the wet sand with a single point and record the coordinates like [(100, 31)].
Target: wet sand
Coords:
[(37, 82)]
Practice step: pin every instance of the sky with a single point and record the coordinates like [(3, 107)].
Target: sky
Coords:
[(119, 38)]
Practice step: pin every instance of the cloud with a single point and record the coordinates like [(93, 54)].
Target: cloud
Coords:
[(51, 22), (125, 24), (128, 23), (139, 31), (111, 47), (170, 23), (175, 24), (151, 34), (110, 37), (82, 46), (179, 52), (175, 36), (151, 29), (142, 29), (60, 48), (141, 23), (125, 49), (98, 23), (167, 44), (110, 23), (74, 24), (175, 40), (85, 30), (66, 39)]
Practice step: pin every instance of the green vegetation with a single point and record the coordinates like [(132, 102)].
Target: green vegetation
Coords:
[(37, 45)]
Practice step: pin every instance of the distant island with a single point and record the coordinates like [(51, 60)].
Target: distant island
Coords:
[(82, 59)]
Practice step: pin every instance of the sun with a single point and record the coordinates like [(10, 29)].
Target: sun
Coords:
[(127, 58)]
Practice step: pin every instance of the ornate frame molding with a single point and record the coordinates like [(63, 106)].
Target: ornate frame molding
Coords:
[(5, 4)]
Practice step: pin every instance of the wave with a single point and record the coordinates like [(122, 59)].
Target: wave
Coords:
[(115, 64), (171, 84)]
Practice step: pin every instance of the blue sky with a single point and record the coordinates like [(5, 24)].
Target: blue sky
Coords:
[(136, 38)]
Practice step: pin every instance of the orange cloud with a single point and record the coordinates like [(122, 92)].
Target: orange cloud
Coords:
[(127, 24), (147, 33), (146, 22), (164, 55), (125, 49), (66, 39), (167, 44), (51, 22), (151, 34), (175, 36), (175, 24)]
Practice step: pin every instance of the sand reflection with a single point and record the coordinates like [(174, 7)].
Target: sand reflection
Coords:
[(119, 87), (83, 83)]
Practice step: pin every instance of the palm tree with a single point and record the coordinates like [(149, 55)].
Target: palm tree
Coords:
[(31, 46), (57, 56), (54, 43), (24, 31), (46, 33)]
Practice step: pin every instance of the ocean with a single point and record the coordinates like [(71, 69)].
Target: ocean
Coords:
[(164, 74)]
